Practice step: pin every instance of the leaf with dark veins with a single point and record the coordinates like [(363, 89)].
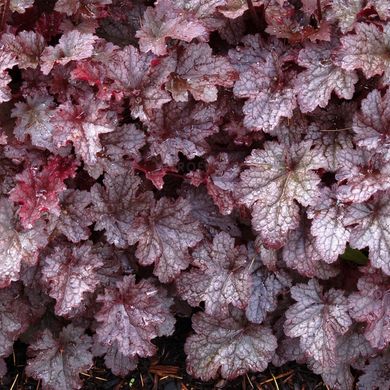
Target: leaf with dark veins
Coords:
[(69, 273), (371, 305), (133, 314), (199, 72), (15, 246), (82, 124), (229, 345), (76, 215), (361, 175), (58, 361), (117, 204), (321, 77), (163, 21), (317, 319), (220, 275), (300, 253), (366, 50), (327, 227), (270, 93), (277, 177), (15, 316), (165, 236), (372, 124)]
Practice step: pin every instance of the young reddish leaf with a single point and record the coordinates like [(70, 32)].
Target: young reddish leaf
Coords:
[(372, 306), (76, 215), (26, 47), (72, 46), (165, 236), (117, 204), (183, 127), (366, 50), (82, 124), (15, 315), (199, 72), (317, 318), (376, 373), (300, 253), (33, 118), (58, 361), (69, 273), (132, 315), (166, 21), (372, 124), (37, 191), (364, 173), (16, 246), (230, 345), (270, 93), (221, 276), (330, 234), (277, 177), (316, 84)]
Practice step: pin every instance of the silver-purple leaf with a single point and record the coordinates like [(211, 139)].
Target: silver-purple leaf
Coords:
[(317, 319), (230, 346)]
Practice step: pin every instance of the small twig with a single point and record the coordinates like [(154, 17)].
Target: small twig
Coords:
[(250, 382), (276, 383), (14, 382), (276, 377), (93, 376)]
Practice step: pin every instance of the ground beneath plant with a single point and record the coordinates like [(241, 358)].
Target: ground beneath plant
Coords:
[(166, 371)]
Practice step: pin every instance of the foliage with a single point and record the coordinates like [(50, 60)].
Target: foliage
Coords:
[(231, 156)]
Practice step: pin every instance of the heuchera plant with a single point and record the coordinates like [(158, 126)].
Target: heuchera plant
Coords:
[(225, 154)]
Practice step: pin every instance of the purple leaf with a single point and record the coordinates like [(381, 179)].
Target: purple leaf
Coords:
[(69, 273), (58, 361), (372, 306), (132, 315), (316, 84), (220, 276), (317, 319), (166, 21), (199, 72), (277, 177), (230, 345), (370, 221), (165, 236)]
